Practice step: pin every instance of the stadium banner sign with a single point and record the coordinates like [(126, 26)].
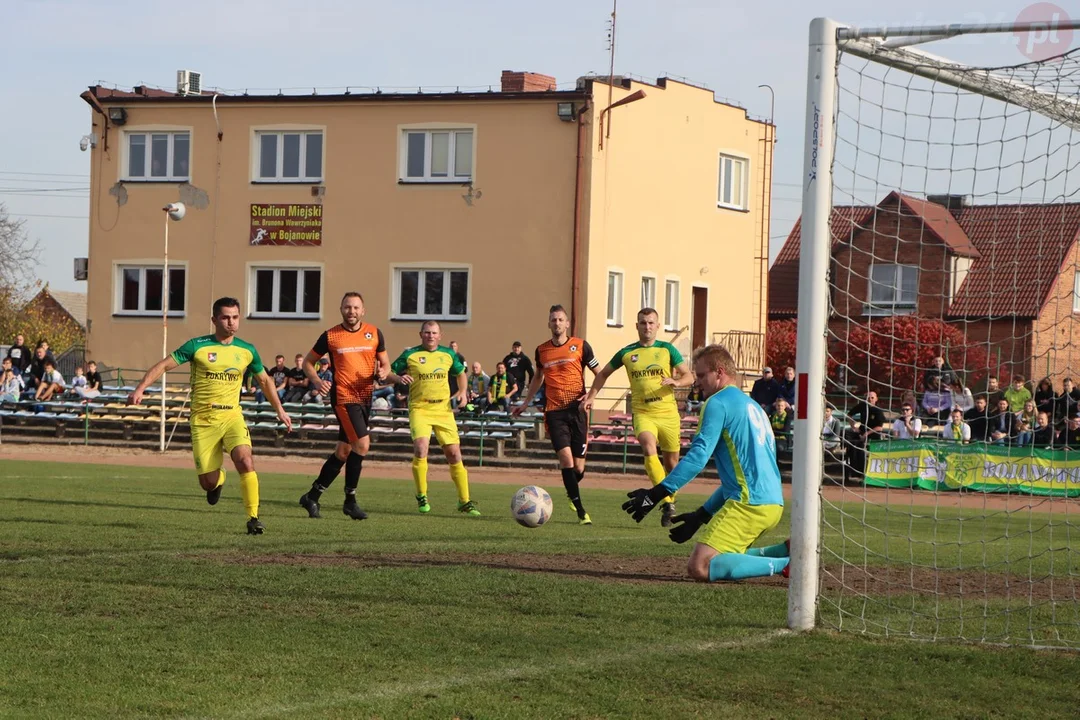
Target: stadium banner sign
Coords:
[(935, 465), (280, 224)]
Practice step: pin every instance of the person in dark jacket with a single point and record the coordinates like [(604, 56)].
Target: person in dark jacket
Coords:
[(978, 419), (866, 422), (1003, 430), (1044, 396), (765, 390), (787, 386)]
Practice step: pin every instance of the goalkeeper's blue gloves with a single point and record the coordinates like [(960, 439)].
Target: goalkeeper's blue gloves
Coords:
[(642, 501), (688, 523)]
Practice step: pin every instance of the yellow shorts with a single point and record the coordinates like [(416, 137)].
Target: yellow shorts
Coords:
[(738, 526), (209, 436), (422, 423), (665, 427)]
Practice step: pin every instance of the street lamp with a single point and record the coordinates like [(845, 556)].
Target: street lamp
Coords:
[(173, 211)]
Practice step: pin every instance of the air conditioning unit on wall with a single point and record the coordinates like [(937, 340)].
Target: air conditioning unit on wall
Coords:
[(188, 82), (81, 268)]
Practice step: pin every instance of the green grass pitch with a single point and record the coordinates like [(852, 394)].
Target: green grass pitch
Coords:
[(122, 594)]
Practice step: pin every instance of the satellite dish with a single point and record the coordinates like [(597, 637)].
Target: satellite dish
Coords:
[(176, 210)]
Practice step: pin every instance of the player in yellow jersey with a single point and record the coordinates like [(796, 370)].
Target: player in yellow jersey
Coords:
[(218, 364), (655, 369), (426, 369)]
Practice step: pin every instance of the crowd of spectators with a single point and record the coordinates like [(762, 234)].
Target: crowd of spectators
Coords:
[(26, 375)]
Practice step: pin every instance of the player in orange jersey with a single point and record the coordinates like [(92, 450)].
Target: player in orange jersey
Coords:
[(560, 368), (358, 355)]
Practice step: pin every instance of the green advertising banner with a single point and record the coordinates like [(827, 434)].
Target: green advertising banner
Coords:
[(937, 465)]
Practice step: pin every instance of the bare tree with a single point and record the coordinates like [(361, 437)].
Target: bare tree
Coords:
[(19, 258)]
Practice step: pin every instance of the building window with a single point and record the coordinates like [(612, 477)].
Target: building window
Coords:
[(431, 293), (671, 305), (1076, 292), (893, 289), (140, 289), (290, 156), (732, 187), (648, 292), (160, 156), (437, 156), (285, 292), (614, 297)]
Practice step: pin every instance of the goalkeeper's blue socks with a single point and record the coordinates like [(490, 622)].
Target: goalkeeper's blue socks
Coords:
[(736, 566), (770, 551)]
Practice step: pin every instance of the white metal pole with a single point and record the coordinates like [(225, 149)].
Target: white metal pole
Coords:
[(810, 350), (164, 327)]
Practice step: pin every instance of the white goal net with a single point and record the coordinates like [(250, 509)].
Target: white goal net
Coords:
[(938, 309)]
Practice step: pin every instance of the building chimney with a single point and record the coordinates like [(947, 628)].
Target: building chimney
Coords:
[(526, 82)]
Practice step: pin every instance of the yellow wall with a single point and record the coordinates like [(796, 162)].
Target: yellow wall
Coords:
[(516, 237), (652, 210)]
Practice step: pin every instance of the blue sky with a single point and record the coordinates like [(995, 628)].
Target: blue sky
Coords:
[(55, 48)]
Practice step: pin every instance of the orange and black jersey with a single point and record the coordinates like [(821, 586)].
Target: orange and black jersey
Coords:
[(352, 360), (564, 371)]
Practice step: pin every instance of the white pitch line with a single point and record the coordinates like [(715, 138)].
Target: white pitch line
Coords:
[(395, 690)]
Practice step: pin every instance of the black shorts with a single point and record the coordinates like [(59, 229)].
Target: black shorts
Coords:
[(352, 421), (568, 427)]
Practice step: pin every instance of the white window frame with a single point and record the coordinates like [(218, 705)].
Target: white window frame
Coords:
[(1076, 291), (614, 306), (645, 300), (147, 131), (119, 266), (735, 203), (895, 306), (303, 131), (428, 129), (277, 268), (446, 268), (671, 309)]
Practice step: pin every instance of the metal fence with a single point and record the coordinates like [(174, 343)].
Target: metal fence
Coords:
[(748, 349)]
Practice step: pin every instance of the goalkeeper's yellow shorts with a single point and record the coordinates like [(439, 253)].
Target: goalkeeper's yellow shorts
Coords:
[(664, 426), (442, 422), (211, 435), (738, 526)]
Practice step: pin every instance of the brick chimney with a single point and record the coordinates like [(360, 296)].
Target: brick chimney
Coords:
[(526, 82)]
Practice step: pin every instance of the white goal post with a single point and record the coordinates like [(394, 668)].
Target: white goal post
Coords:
[(892, 48)]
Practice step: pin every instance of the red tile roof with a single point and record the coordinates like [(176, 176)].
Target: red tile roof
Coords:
[(784, 274), (1017, 253)]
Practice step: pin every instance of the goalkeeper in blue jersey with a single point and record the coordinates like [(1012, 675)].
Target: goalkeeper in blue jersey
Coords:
[(735, 433)]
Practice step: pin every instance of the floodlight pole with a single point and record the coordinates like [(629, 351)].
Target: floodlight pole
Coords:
[(164, 326), (810, 346)]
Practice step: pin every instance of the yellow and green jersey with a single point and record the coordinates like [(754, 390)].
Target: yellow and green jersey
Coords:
[(431, 371), (217, 372), (647, 366)]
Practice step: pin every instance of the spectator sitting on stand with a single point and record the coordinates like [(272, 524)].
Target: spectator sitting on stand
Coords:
[(961, 395), (78, 383), (1067, 403), (324, 373), (501, 388), (978, 418), (1044, 435), (93, 382), (1025, 423), (993, 392), (20, 355), (782, 421), (1069, 438), (787, 386), (937, 402), (478, 382), (1003, 424), (279, 374), (957, 430), (765, 390), (297, 383), (907, 426), (52, 382), (939, 369), (10, 383)]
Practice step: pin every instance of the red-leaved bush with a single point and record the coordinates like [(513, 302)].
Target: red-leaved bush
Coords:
[(780, 345), (891, 354)]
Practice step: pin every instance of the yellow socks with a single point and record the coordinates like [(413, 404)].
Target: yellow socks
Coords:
[(460, 476), (419, 475), (249, 490), (655, 470)]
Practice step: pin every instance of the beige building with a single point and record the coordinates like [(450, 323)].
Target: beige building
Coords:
[(476, 209)]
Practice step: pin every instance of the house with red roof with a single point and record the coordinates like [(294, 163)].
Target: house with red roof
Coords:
[(1006, 275)]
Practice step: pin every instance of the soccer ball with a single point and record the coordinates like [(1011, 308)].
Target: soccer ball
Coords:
[(531, 506)]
